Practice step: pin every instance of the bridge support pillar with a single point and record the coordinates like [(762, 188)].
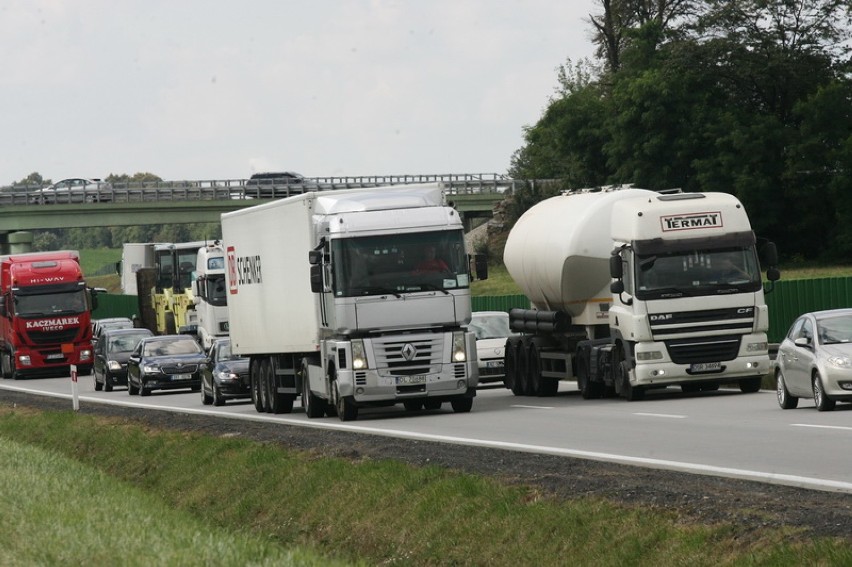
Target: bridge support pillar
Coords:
[(16, 242)]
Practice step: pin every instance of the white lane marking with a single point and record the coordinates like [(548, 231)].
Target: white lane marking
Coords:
[(667, 415), (531, 407), (821, 426), (745, 474)]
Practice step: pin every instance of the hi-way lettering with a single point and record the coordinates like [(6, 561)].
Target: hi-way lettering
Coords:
[(691, 221)]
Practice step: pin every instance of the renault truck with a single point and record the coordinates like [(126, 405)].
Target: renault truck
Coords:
[(352, 299), (633, 289)]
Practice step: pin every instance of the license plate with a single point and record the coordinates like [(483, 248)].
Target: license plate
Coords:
[(176, 377), (57, 356), (494, 364), (408, 380), (705, 366)]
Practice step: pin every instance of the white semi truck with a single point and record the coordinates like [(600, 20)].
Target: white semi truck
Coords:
[(209, 294), (352, 298), (634, 289)]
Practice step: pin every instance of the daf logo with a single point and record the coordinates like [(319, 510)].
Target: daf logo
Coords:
[(664, 317), (409, 351)]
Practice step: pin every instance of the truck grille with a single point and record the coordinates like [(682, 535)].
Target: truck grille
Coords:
[(710, 322), (705, 349), (411, 355), (53, 337)]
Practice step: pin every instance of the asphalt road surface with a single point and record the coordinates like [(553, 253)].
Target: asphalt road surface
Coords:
[(722, 434)]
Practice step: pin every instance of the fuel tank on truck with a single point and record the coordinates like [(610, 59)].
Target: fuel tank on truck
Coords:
[(558, 251)]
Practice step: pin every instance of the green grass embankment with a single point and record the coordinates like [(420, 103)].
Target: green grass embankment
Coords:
[(226, 501)]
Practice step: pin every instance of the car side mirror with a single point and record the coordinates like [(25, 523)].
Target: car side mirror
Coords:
[(803, 342)]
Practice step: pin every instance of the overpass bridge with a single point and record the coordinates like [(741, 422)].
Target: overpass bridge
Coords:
[(183, 202)]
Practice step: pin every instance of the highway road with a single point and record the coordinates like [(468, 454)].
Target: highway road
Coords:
[(724, 433)]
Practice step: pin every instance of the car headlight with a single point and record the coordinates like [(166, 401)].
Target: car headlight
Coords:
[(223, 375), (840, 361), (150, 369), (114, 365)]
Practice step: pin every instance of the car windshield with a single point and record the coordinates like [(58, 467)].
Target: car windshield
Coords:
[(834, 330), (62, 303), (170, 348), (226, 354), (399, 263), (125, 343), (490, 326)]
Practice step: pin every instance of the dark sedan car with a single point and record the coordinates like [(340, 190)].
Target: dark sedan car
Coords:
[(111, 353), (225, 376), (165, 362)]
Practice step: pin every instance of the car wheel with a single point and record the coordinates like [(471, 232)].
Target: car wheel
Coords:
[(107, 383), (821, 400), (143, 391), (785, 400), (206, 399), (131, 389), (218, 400), (98, 385)]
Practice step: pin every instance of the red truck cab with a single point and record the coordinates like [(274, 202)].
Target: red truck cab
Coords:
[(45, 315)]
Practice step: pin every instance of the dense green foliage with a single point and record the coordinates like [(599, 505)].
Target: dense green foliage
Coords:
[(752, 98), (381, 512)]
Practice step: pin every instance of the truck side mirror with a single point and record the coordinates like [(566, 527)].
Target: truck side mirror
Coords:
[(316, 278), (315, 257), (3, 306), (615, 269)]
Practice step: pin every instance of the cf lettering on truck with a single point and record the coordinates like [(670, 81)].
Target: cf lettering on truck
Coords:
[(633, 289), (45, 315), (351, 299)]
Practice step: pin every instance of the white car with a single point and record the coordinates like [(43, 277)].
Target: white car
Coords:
[(491, 329), (815, 360), (75, 190)]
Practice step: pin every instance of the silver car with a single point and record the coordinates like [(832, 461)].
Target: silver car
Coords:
[(815, 360), (75, 190)]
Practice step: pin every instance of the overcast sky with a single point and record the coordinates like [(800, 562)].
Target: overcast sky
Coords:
[(200, 89)]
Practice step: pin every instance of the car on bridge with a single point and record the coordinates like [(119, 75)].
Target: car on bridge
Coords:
[(274, 185), (73, 190)]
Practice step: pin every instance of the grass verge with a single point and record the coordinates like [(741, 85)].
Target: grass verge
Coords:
[(380, 512)]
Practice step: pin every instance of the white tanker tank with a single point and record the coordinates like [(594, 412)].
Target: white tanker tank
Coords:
[(558, 252)]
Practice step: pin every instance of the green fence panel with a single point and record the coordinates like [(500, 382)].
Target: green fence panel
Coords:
[(790, 299), (116, 305), (499, 302)]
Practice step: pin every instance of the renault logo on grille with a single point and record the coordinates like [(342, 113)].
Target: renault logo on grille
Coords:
[(409, 351)]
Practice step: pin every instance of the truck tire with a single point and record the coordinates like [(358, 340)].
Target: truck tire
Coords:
[(588, 389), (8, 363), (461, 405), (346, 408), (276, 402), (750, 385), (314, 406), (628, 392), (539, 385), (261, 404), (511, 366), (254, 386)]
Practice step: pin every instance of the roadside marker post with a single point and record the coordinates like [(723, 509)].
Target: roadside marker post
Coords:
[(75, 395)]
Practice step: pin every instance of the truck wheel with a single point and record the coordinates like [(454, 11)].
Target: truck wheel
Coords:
[(510, 363), (532, 371), (750, 385), (276, 402), (254, 386), (461, 405), (413, 405), (262, 390), (588, 389), (520, 386), (314, 406), (346, 408), (8, 362), (628, 392)]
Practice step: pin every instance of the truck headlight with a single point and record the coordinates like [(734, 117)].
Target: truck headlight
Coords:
[(85, 354), (114, 365), (649, 355), (459, 354), (757, 347), (359, 357), (24, 360)]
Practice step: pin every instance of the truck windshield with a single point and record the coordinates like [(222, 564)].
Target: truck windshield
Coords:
[(697, 272), (399, 263), (215, 291), (56, 303)]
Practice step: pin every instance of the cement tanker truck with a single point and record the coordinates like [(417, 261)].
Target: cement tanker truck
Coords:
[(633, 289)]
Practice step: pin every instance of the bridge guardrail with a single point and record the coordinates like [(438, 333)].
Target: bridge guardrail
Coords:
[(130, 192)]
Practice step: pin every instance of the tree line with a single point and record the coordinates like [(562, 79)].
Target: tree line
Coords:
[(749, 97)]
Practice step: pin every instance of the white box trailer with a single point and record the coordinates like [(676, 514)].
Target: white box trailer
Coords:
[(333, 297)]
